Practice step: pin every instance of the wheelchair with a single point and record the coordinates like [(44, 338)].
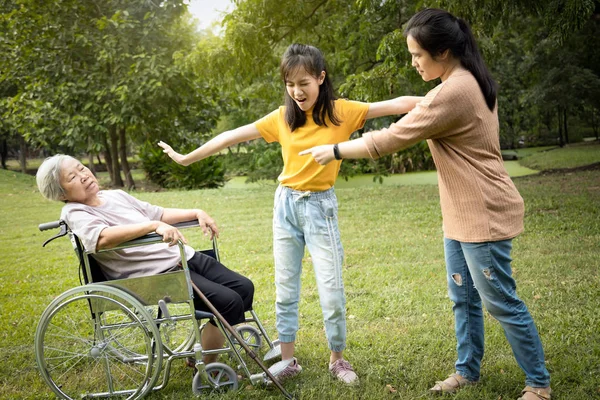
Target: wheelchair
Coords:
[(118, 338)]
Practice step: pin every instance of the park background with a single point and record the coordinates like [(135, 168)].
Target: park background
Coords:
[(105, 81)]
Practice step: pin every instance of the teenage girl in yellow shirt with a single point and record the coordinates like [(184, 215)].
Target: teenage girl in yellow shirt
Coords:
[(305, 206)]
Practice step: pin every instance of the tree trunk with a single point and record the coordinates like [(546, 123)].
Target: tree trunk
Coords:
[(23, 154), (561, 142), (595, 121), (4, 151), (91, 164), (123, 155), (117, 181), (565, 129), (107, 157)]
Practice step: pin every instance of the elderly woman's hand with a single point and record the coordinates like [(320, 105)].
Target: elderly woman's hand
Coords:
[(208, 225), (170, 234)]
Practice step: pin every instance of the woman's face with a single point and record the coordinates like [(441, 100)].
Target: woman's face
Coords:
[(303, 88), (78, 182), (428, 67)]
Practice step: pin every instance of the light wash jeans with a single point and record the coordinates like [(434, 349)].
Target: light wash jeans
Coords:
[(308, 219), (481, 272)]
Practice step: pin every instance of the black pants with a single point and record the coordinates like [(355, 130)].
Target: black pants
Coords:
[(229, 292)]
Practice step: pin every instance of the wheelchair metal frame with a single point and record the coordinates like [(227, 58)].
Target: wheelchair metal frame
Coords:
[(121, 336)]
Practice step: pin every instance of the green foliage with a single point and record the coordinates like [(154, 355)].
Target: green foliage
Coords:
[(368, 61), (265, 161), (205, 174), (71, 71), (84, 69), (561, 17)]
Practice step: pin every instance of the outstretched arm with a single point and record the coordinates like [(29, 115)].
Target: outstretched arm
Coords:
[(397, 106), (398, 133), (351, 149), (213, 146)]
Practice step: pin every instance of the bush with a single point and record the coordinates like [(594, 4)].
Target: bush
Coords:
[(258, 160), (161, 170)]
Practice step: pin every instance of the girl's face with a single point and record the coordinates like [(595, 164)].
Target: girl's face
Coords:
[(428, 67), (303, 88), (78, 182)]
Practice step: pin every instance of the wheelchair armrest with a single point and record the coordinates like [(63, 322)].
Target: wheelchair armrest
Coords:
[(187, 224), (151, 238)]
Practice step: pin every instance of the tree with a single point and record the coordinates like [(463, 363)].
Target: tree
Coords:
[(100, 76), (368, 60)]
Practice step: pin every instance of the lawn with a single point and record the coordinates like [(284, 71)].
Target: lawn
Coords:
[(570, 156), (400, 322)]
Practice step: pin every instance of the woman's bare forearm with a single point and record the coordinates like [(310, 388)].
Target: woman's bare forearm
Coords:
[(213, 146), (356, 148)]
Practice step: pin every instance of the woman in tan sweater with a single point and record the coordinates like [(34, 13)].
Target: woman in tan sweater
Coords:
[(481, 208)]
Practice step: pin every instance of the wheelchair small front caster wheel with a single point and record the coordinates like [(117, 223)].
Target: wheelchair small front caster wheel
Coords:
[(251, 337), (217, 377)]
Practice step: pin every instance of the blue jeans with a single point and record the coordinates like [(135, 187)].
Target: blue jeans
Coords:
[(481, 272), (308, 219)]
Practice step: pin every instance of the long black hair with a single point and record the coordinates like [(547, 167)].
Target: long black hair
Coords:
[(437, 31), (311, 59)]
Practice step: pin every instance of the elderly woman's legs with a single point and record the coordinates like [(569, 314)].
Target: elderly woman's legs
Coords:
[(229, 292)]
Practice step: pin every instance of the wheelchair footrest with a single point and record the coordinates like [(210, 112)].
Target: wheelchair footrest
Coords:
[(273, 353)]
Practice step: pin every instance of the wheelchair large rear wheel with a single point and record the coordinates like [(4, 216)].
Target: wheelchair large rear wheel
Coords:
[(98, 341), (178, 334)]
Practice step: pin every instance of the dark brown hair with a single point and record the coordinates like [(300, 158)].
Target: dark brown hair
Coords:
[(437, 31), (311, 59)]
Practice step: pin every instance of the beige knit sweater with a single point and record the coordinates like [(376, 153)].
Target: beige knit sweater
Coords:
[(479, 201)]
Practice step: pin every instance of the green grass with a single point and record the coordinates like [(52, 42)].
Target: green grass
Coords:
[(567, 157), (400, 321), (411, 178)]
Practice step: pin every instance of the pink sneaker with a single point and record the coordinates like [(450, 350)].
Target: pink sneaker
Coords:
[(290, 371), (342, 370)]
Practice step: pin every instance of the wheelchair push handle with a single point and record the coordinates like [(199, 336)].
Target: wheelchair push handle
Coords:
[(53, 225), (50, 225)]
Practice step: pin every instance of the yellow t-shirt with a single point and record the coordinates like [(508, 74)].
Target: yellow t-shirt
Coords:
[(303, 172)]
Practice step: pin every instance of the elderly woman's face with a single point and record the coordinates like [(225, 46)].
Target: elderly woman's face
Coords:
[(78, 182)]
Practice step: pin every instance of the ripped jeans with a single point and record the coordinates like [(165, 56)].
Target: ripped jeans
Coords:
[(481, 273)]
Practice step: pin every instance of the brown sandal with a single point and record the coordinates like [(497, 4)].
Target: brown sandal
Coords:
[(541, 393), (452, 384)]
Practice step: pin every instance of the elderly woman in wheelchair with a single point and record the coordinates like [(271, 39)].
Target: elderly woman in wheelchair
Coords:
[(101, 221)]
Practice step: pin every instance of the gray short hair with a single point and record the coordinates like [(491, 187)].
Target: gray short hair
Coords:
[(48, 177)]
